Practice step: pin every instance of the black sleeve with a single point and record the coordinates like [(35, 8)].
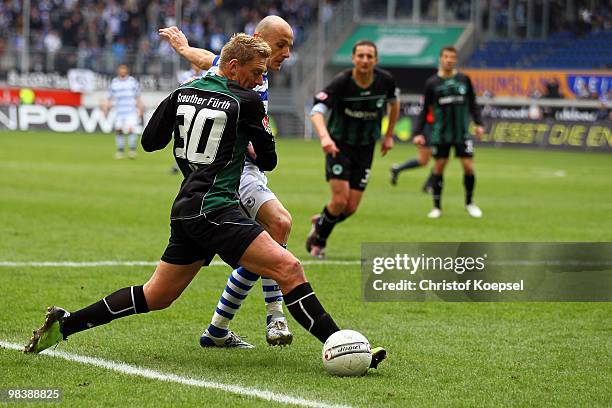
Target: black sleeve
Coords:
[(392, 89), (158, 132), (428, 100), (329, 94), (474, 108), (254, 121)]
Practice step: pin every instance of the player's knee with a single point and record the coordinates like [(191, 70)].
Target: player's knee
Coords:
[(338, 204), (423, 161), (290, 272), (350, 209), (159, 302), (280, 227), (157, 299)]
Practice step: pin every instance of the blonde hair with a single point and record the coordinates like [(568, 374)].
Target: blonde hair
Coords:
[(244, 48)]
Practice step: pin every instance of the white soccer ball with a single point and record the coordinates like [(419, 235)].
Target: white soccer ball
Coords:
[(347, 353)]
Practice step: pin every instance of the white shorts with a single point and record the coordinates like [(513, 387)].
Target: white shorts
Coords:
[(253, 190), (125, 123)]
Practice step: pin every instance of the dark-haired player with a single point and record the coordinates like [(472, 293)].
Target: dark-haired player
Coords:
[(357, 99), (450, 96)]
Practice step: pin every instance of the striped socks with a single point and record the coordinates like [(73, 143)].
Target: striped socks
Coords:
[(236, 290), (273, 298)]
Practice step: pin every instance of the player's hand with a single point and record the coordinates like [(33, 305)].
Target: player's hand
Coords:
[(251, 151), (478, 132), (419, 140), (175, 37), (329, 146), (387, 144)]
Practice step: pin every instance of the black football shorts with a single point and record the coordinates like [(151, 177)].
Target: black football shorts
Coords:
[(462, 149), (226, 232), (352, 163)]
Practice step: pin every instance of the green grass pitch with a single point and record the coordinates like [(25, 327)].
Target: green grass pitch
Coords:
[(64, 198)]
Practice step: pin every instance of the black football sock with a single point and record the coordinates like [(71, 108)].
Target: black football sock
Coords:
[(326, 224), (122, 303), (437, 182), (469, 180), (304, 306), (410, 164)]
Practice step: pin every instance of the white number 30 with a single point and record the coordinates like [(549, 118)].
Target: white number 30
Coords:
[(205, 136)]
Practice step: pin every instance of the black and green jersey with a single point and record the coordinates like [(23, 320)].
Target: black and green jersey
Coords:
[(452, 101), (356, 113), (212, 120)]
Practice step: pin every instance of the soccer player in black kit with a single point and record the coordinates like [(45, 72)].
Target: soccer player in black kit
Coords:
[(212, 120), (357, 99), (451, 97)]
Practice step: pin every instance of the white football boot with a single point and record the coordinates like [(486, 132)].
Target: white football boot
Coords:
[(473, 210), (434, 213)]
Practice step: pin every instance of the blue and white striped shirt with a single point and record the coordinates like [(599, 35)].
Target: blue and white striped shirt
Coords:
[(123, 92)]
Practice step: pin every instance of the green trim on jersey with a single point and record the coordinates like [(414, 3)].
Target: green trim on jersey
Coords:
[(223, 191), (358, 121), (356, 113)]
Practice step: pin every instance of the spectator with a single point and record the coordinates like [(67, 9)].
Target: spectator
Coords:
[(552, 90), (91, 32)]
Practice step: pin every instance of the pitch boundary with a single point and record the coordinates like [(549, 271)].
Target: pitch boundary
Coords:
[(89, 264), (128, 369)]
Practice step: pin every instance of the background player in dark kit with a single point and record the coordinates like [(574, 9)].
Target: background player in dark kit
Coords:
[(451, 97), (357, 100)]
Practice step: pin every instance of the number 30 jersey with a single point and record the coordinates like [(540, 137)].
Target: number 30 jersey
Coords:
[(212, 120)]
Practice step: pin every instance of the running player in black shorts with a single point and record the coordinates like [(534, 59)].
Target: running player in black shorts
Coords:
[(451, 97), (421, 160), (358, 99)]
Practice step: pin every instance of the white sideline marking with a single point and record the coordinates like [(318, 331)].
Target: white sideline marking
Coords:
[(69, 264), (169, 377)]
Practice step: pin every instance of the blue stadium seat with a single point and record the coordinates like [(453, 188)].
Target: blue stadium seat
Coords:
[(560, 50)]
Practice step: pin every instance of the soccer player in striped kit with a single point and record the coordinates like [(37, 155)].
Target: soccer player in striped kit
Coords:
[(124, 96), (256, 199)]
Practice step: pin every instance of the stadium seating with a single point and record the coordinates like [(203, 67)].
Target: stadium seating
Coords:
[(561, 50)]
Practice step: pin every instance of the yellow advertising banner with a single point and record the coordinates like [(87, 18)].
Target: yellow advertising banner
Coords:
[(572, 84)]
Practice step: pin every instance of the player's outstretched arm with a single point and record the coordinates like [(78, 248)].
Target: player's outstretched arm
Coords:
[(198, 56), (474, 110), (327, 143), (428, 98), (254, 122), (158, 132), (394, 110)]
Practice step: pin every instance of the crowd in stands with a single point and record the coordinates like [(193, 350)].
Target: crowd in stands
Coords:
[(99, 34), (588, 16)]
